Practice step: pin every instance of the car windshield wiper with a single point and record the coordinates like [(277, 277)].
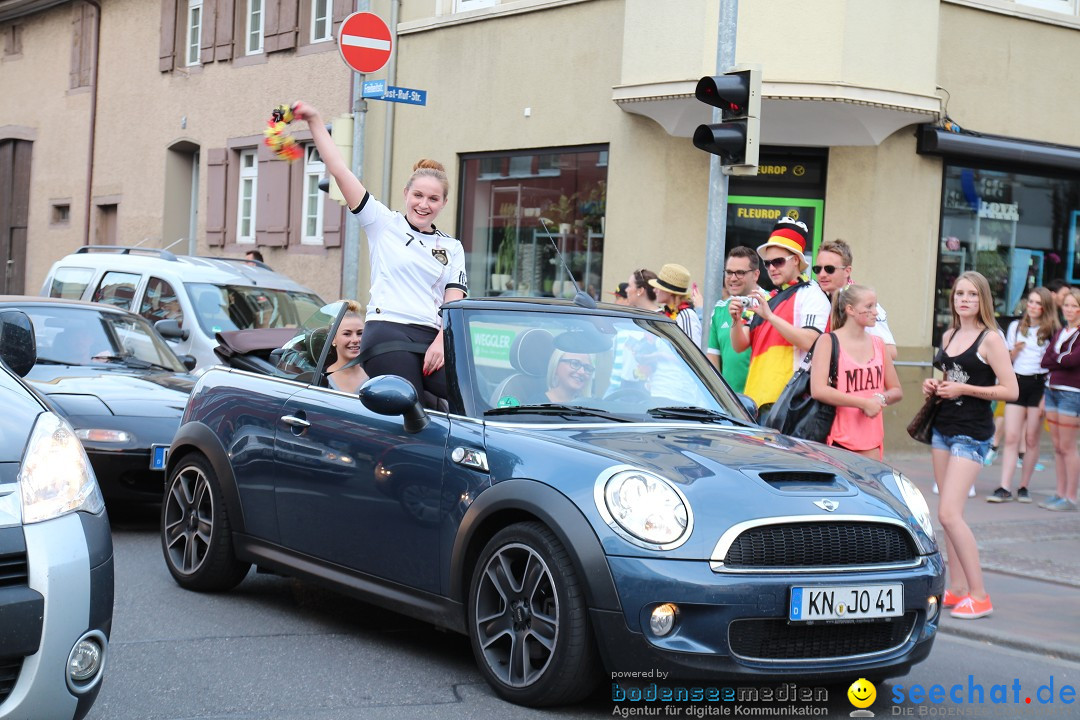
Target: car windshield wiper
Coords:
[(690, 412), (129, 360), (49, 361), (555, 409)]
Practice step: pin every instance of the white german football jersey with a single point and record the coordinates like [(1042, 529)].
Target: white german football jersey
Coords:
[(410, 270)]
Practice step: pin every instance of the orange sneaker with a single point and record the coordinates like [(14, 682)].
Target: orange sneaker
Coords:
[(970, 608), (950, 600)]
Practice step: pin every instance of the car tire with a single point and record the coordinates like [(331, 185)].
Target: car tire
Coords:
[(526, 601), (196, 535)]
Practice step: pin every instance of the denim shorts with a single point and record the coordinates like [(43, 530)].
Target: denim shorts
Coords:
[(961, 446), (1062, 402)]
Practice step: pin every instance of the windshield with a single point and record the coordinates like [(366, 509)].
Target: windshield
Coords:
[(616, 365), (300, 355), (236, 307), (84, 336)]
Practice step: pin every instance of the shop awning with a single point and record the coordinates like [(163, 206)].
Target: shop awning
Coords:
[(804, 114), (934, 140)]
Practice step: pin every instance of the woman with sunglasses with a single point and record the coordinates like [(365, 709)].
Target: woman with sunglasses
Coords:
[(345, 348), (569, 376), (833, 273)]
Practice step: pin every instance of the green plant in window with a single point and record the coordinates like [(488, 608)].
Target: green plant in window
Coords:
[(595, 205), (563, 210), (506, 256)]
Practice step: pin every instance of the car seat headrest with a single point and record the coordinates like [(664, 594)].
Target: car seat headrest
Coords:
[(531, 350)]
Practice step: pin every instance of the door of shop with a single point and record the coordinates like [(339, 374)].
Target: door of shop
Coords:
[(790, 184), (14, 212)]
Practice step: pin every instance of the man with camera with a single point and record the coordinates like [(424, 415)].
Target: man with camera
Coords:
[(741, 271), (784, 326)]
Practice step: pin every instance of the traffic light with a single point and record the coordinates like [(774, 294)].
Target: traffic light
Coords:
[(735, 139)]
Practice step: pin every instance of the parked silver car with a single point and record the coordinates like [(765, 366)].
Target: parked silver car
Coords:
[(56, 554)]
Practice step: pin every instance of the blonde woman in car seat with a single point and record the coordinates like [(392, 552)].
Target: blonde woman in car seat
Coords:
[(415, 267)]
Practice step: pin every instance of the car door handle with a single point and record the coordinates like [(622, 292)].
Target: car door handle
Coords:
[(295, 421)]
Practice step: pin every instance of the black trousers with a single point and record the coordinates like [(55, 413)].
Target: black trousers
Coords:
[(409, 365)]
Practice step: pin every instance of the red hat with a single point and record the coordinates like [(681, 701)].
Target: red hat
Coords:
[(791, 235)]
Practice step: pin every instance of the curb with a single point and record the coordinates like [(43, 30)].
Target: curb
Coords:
[(1058, 651)]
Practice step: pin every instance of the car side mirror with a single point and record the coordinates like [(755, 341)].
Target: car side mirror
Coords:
[(189, 361), (18, 346), (171, 330), (748, 405), (394, 395)]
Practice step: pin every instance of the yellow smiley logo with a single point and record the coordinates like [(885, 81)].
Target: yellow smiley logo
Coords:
[(862, 693)]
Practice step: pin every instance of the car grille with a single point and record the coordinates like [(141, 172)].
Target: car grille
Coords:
[(9, 673), (13, 570), (776, 639), (820, 545)]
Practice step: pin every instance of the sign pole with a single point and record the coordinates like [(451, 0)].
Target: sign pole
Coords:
[(716, 226), (350, 255)]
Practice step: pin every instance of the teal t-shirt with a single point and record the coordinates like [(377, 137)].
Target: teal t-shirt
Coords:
[(733, 365)]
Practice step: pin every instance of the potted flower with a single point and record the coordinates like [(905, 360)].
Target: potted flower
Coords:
[(506, 255)]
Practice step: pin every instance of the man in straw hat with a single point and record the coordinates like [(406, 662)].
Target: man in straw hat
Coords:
[(785, 325), (672, 286)]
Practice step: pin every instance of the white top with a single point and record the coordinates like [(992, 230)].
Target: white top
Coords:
[(410, 270), (812, 310), (1028, 362), (881, 327), (690, 323)]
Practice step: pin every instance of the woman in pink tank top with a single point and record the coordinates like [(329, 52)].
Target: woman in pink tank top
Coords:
[(866, 380)]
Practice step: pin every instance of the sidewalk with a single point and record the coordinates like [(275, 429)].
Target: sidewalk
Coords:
[(1030, 558)]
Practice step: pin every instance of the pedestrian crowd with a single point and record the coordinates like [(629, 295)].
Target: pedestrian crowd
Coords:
[(992, 393)]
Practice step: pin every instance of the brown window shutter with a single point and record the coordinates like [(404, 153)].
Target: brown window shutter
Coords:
[(333, 225), (272, 203), (206, 39), (78, 30), (287, 24), (217, 194), (86, 65), (342, 10), (223, 30), (270, 25), (167, 53)]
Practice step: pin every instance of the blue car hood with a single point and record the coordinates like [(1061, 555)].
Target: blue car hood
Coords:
[(728, 474), (122, 391)]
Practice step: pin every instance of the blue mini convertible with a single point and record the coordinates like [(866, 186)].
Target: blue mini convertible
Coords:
[(590, 497)]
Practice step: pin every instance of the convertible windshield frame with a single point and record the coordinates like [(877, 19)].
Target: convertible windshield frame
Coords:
[(482, 339)]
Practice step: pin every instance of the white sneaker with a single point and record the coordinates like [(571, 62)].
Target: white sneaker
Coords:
[(971, 490), (991, 455)]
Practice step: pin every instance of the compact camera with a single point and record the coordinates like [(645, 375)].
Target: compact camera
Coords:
[(748, 301)]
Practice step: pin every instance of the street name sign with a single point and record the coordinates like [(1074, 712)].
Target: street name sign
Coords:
[(405, 95), (364, 42), (373, 89)]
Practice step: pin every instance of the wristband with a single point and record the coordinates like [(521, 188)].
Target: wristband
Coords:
[(882, 399)]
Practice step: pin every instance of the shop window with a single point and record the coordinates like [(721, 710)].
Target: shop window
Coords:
[(1017, 230), (521, 210)]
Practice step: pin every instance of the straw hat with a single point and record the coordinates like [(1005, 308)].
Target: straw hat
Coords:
[(672, 278)]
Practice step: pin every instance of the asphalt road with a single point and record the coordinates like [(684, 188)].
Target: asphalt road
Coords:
[(277, 648)]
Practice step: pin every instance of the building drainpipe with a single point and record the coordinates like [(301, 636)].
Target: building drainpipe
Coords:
[(93, 117), (391, 79)]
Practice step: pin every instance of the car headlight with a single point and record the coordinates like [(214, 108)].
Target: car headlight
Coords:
[(644, 508), (56, 477), (916, 503)]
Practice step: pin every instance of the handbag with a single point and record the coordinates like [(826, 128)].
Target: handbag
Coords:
[(796, 412), (921, 427)]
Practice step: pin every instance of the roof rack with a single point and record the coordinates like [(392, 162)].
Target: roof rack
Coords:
[(242, 261), (121, 250)]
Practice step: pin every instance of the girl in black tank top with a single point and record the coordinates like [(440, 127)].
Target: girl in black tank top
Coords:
[(980, 373), (966, 415)]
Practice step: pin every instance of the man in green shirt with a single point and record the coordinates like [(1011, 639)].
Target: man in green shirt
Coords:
[(741, 271)]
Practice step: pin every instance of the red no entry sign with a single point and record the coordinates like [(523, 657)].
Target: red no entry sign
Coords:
[(364, 42)]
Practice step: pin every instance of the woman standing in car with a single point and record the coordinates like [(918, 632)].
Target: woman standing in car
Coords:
[(415, 268)]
